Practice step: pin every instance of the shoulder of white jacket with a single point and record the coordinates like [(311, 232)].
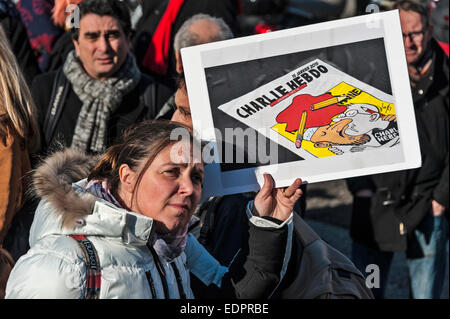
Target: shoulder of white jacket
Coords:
[(47, 273)]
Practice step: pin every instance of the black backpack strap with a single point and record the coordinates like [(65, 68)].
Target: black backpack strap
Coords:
[(147, 96), (55, 106)]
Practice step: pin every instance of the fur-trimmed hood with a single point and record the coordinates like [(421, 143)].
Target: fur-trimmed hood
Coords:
[(67, 208), (53, 179)]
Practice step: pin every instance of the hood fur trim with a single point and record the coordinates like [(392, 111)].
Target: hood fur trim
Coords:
[(52, 182)]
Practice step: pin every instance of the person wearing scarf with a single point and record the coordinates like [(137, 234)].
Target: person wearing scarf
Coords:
[(168, 246), (99, 91), (100, 100), (130, 208)]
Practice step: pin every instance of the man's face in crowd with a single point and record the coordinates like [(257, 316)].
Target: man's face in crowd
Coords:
[(183, 112), (102, 45), (416, 35)]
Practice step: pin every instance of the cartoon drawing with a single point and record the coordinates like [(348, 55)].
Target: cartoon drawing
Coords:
[(319, 111), (343, 120), (313, 111), (360, 126)]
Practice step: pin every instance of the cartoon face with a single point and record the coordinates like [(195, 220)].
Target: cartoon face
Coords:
[(334, 134), (364, 118)]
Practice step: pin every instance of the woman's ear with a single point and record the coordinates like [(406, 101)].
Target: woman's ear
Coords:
[(127, 179)]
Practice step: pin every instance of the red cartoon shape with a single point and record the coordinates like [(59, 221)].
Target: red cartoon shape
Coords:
[(315, 117)]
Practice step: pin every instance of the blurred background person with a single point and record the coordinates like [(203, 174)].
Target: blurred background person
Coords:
[(42, 32), (199, 29), (19, 135), (16, 33), (405, 210), (160, 21)]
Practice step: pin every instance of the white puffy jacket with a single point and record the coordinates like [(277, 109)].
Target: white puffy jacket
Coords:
[(55, 266)]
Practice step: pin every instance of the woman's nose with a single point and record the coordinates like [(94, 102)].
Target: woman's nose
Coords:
[(186, 185)]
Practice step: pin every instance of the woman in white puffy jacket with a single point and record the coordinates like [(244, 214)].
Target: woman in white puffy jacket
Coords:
[(122, 232)]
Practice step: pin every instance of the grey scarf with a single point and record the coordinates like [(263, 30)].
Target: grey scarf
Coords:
[(168, 246), (100, 100)]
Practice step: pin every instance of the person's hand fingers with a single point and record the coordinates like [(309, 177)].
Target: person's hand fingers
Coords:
[(437, 208), (291, 200), (267, 188), (291, 190)]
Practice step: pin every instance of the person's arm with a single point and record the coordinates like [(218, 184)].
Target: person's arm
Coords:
[(10, 190), (46, 275), (256, 269), (440, 193)]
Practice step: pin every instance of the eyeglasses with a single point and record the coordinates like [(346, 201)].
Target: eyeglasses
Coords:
[(415, 36)]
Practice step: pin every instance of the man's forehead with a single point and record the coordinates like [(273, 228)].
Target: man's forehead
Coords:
[(92, 22), (205, 29), (411, 20)]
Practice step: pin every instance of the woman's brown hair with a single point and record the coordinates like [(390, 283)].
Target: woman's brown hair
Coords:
[(140, 143)]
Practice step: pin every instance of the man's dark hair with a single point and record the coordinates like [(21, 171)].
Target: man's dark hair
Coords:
[(114, 8), (415, 6)]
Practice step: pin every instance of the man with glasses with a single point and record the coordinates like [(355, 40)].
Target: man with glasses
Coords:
[(406, 210)]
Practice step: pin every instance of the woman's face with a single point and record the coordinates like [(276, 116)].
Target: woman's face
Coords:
[(169, 190)]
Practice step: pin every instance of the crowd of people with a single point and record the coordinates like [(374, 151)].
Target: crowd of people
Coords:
[(93, 204)]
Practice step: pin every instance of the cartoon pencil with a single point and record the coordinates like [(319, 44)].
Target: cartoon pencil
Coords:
[(301, 128), (329, 102)]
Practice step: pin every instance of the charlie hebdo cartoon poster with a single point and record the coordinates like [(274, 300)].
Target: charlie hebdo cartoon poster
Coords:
[(320, 102), (320, 111)]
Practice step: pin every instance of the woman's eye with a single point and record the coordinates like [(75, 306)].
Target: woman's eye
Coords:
[(172, 172), (197, 178)]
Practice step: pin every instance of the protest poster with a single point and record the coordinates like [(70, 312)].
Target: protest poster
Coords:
[(320, 102)]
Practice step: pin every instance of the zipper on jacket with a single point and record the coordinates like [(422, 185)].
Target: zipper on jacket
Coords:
[(161, 271), (179, 280)]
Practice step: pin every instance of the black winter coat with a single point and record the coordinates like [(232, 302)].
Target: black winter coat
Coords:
[(315, 269), (407, 195), (129, 112)]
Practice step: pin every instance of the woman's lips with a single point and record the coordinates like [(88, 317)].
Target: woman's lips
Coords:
[(180, 206)]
